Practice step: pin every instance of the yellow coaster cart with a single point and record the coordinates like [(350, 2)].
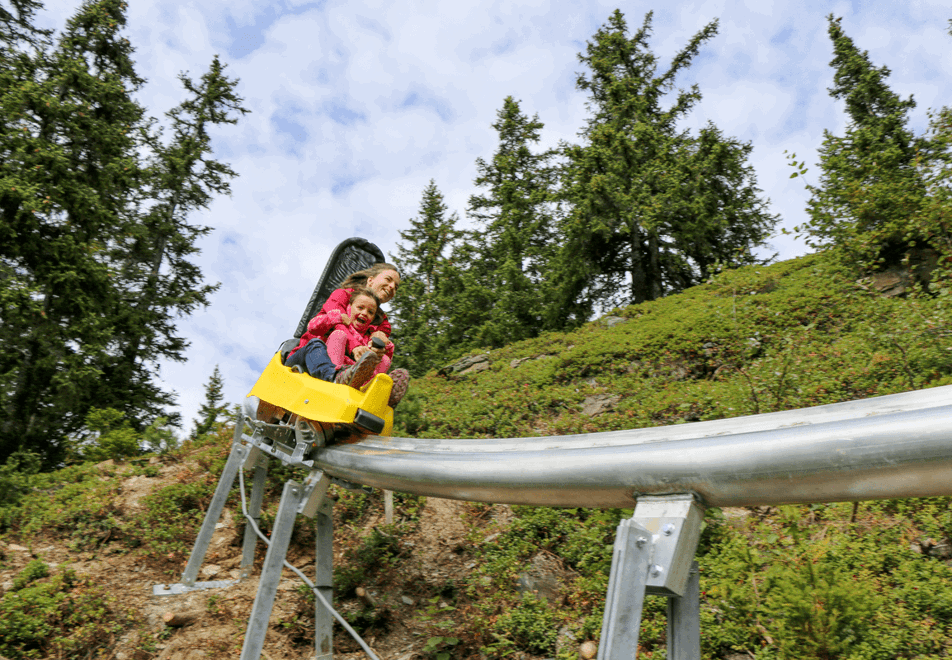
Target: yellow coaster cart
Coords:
[(290, 400)]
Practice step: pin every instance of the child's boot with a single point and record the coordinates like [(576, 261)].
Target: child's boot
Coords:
[(401, 381), (360, 372)]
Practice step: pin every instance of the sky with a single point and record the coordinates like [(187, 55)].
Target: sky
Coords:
[(356, 106)]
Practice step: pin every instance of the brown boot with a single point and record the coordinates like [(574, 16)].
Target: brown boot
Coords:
[(359, 373)]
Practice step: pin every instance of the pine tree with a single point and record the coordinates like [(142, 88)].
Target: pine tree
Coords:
[(514, 244), (211, 412), (650, 203), (418, 311), (869, 185), (160, 282), (80, 185)]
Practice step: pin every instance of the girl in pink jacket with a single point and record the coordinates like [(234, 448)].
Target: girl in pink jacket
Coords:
[(337, 344)]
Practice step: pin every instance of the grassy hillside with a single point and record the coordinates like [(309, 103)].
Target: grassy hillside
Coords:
[(466, 580)]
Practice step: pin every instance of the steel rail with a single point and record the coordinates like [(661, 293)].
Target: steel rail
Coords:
[(879, 448)]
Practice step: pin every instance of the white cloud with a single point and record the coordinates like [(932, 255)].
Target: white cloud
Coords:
[(357, 105)]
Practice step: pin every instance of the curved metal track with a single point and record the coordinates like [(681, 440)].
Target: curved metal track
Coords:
[(885, 447)]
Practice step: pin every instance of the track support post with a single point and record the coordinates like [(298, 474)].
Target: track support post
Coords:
[(654, 554), (324, 581), (291, 500)]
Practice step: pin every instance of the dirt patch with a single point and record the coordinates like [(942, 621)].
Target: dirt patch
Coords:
[(436, 557)]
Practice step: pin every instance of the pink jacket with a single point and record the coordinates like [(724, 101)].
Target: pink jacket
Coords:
[(329, 319)]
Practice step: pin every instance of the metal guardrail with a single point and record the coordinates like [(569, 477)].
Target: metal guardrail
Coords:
[(884, 447)]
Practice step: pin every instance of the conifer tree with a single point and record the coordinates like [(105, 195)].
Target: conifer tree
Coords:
[(514, 244), (81, 191), (650, 203), (211, 412), (160, 282), (869, 185), (417, 311)]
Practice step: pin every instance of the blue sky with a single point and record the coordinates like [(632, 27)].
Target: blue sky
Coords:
[(355, 106)]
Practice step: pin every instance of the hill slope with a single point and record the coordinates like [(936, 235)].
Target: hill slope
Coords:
[(81, 551)]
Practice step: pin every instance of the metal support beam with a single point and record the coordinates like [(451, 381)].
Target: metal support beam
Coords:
[(684, 620), (654, 553), (291, 500), (626, 592), (238, 454), (324, 582), (254, 511)]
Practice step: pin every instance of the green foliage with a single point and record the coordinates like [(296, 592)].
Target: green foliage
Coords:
[(170, 518), (16, 477), (439, 647), (211, 412), (95, 245), (757, 339), (32, 572), (807, 584), (650, 203), (511, 252), (531, 625), (159, 438), (374, 554), (419, 311), (63, 616), (77, 501), (870, 188), (110, 436)]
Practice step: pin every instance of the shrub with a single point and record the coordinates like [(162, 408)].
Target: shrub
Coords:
[(64, 616)]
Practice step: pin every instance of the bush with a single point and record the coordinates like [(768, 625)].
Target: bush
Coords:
[(64, 616)]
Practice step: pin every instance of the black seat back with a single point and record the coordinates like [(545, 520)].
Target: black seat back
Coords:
[(350, 256)]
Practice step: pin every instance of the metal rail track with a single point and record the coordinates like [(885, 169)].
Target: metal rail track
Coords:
[(884, 447)]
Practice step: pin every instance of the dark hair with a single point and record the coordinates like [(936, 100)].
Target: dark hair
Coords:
[(365, 291), (360, 278)]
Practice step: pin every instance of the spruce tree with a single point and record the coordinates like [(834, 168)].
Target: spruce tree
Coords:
[(418, 310), (81, 188), (653, 208), (869, 185), (514, 243), (160, 281), (211, 412)]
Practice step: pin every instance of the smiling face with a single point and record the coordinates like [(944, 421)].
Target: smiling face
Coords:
[(362, 310), (384, 284)]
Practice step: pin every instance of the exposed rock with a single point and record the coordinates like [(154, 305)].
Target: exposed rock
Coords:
[(678, 371), (891, 283), (932, 548), (898, 280), (611, 321), (543, 579), (543, 586), (942, 550), (467, 365), (599, 403), (564, 640), (13, 547), (588, 650), (515, 363), (635, 366)]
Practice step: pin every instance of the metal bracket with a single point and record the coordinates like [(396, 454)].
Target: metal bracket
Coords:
[(674, 522), (179, 588), (654, 553), (315, 491)]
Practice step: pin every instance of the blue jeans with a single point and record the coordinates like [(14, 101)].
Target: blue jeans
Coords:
[(312, 357)]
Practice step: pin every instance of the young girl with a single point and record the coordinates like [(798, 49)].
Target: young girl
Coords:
[(329, 360)]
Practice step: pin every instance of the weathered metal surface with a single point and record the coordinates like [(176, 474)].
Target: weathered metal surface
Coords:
[(885, 447)]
